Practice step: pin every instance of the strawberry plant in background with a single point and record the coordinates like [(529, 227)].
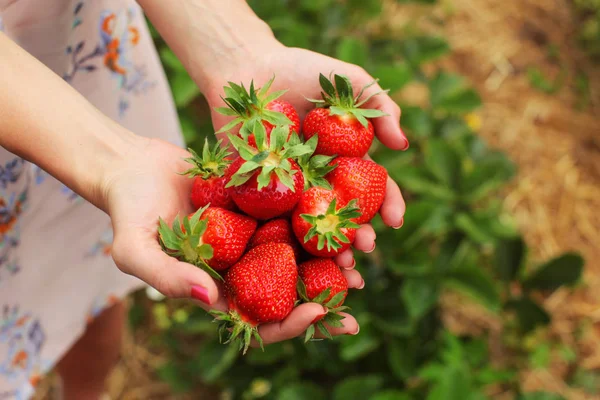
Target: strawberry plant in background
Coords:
[(455, 237)]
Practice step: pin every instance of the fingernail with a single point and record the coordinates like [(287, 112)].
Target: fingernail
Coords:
[(352, 266), (362, 285), (406, 144), (399, 225), (355, 333), (200, 293), (370, 251), (320, 316)]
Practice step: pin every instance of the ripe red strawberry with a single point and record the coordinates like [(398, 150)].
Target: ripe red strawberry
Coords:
[(323, 228), (211, 238), (251, 106), (344, 129), (209, 180), (360, 179), (275, 231), (266, 182), (321, 281), (260, 288)]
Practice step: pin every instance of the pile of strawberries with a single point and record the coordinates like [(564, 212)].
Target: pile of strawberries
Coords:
[(270, 219)]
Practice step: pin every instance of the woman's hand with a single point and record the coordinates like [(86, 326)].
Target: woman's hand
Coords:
[(298, 70), (145, 185)]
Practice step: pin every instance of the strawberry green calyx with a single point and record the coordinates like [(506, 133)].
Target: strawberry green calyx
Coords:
[(340, 99), (185, 243), (332, 318), (213, 161), (315, 167), (233, 328), (328, 227), (269, 159), (249, 106)]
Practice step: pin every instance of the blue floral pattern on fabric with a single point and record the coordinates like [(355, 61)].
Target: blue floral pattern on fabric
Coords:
[(24, 337), (118, 36), (12, 203)]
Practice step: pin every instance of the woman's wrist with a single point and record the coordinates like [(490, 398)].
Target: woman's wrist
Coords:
[(214, 39)]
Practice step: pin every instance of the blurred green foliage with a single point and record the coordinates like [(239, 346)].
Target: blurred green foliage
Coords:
[(589, 31), (455, 237)]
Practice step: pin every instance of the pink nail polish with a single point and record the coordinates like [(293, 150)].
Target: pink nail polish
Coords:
[(200, 293), (320, 316), (406, 144), (355, 333), (362, 285), (372, 249), (399, 226), (352, 266)]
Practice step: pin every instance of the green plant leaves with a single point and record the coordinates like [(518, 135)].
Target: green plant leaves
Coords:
[(474, 281), (391, 395), (509, 257), (352, 50), (355, 347), (402, 358), (393, 77), (529, 314), (420, 49), (563, 270), (448, 93), (540, 396), (301, 391), (419, 296), (357, 387), (442, 161)]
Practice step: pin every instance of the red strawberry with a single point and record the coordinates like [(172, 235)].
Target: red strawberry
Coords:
[(343, 127), (360, 179), (323, 228), (209, 181), (321, 281), (266, 182), (260, 288), (288, 110), (275, 231), (212, 238), (251, 106)]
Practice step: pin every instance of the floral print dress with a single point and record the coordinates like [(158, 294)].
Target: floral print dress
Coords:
[(56, 273)]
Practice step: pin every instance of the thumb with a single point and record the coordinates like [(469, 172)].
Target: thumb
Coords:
[(141, 256)]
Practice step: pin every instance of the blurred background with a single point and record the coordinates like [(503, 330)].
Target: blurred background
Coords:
[(484, 293)]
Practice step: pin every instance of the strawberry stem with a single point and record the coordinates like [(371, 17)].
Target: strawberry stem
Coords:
[(315, 167), (186, 244), (268, 158), (328, 227), (249, 106), (233, 328), (340, 100), (213, 162), (332, 317)]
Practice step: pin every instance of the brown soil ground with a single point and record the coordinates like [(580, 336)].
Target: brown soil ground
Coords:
[(556, 145)]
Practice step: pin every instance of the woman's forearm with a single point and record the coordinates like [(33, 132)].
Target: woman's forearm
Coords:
[(210, 37), (45, 121)]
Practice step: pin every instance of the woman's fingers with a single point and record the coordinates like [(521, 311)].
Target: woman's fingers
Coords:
[(387, 128), (292, 326), (139, 254), (346, 259), (393, 207), (365, 239), (350, 327), (355, 280)]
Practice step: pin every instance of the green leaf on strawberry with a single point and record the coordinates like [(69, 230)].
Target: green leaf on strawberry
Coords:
[(269, 157), (332, 318), (328, 227), (341, 101), (185, 244), (213, 162), (249, 106), (315, 167)]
